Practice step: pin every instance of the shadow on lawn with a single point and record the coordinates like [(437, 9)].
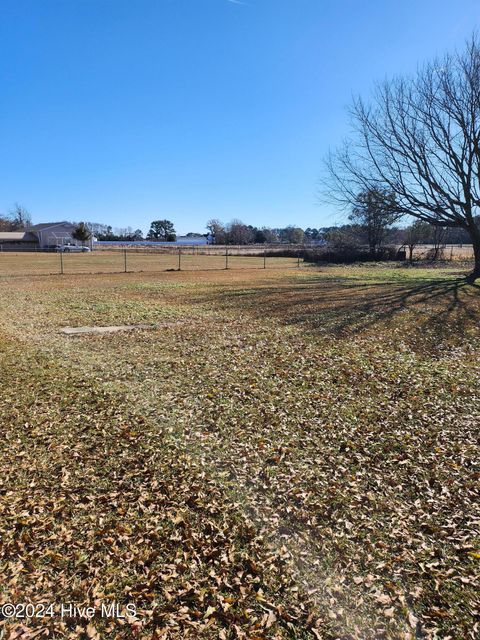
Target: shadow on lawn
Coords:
[(341, 306)]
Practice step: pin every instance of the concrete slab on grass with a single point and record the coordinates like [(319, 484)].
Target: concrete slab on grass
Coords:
[(74, 331)]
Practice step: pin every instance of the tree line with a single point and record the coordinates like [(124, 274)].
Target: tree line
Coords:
[(233, 233), (160, 230), (236, 232), (371, 223)]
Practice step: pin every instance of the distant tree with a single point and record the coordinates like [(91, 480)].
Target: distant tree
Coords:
[(82, 233), (394, 235), (311, 234), (97, 229), (6, 223), (375, 210), (458, 235), (106, 232), (20, 217), (239, 233), (424, 233), (270, 235), (264, 235), (258, 236), (347, 236), (217, 231), (292, 235), (438, 237), (162, 230), (417, 233)]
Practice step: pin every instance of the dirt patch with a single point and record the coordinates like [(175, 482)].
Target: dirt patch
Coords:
[(73, 331)]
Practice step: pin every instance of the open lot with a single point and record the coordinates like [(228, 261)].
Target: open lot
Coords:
[(447, 252), (285, 454), (50, 263)]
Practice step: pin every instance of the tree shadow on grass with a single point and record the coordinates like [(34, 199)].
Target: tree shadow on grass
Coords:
[(343, 306)]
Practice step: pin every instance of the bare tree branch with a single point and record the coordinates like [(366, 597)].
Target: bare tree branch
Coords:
[(419, 139)]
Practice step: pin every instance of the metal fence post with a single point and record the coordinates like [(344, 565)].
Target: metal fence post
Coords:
[(179, 259), (298, 259), (125, 261), (226, 257), (61, 263), (264, 257)]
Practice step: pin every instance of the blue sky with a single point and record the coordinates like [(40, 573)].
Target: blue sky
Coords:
[(126, 111)]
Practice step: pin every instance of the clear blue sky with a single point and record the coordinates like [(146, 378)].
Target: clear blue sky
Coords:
[(125, 111)]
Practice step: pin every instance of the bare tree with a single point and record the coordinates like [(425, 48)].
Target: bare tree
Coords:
[(420, 139), (97, 228), (239, 233), (417, 233), (438, 236), (216, 230), (6, 223), (375, 211), (20, 217)]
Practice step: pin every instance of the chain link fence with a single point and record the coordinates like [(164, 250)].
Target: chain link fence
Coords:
[(119, 259), (141, 259)]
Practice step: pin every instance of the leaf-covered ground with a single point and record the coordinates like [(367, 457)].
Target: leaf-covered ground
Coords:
[(286, 455)]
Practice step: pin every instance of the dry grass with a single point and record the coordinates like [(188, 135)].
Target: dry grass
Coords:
[(449, 252), (17, 264), (290, 454)]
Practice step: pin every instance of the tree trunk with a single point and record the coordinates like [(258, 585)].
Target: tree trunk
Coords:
[(475, 236)]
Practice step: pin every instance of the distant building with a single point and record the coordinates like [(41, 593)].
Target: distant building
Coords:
[(51, 234), (180, 241), (17, 240), (46, 235), (191, 239)]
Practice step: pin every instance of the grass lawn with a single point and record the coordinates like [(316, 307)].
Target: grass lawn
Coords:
[(287, 454), (104, 262)]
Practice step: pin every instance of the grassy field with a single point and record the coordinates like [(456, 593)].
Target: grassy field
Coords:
[(286, 454), (50, 263), (448, 252)]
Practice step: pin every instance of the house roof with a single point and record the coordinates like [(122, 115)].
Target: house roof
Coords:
[(47, 225), (12, 235), (16, 236)]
